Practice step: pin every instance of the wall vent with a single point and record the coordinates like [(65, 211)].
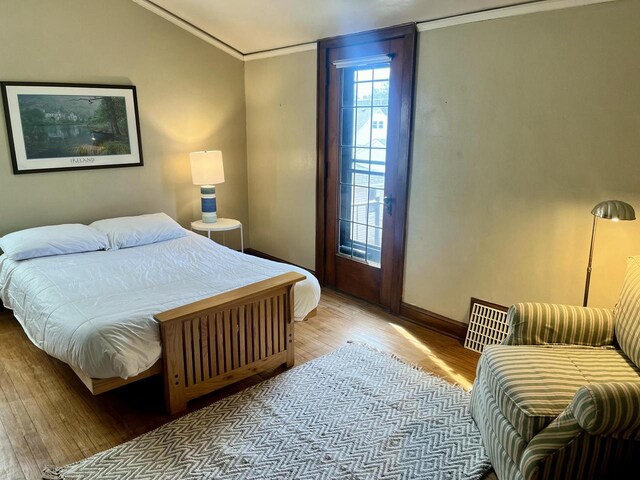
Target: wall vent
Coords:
[(487, 325)]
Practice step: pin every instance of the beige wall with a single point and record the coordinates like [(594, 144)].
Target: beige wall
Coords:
[(521, 126), (281, 151), (190, 97)]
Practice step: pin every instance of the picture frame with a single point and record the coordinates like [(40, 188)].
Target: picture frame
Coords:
[(54, 127)]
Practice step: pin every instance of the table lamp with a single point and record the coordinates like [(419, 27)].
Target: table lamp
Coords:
[(613, 210), (207, 171)]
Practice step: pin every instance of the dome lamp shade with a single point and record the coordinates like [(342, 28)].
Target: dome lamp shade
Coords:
[(614, 210)]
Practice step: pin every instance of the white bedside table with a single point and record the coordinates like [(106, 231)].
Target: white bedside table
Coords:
[(222, 225)]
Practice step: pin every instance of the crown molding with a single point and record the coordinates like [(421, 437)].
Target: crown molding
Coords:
[(191, 28), (492, 14), (276, 52), (504, 12)]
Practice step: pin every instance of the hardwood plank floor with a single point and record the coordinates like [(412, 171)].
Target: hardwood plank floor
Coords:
[(47, 416)]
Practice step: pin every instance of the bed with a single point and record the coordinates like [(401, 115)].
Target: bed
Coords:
[(199, 313)]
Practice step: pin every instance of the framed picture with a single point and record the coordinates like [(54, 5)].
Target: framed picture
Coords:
[(55, 126)]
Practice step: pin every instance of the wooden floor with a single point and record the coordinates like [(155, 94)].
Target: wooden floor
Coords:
[(47, 416)]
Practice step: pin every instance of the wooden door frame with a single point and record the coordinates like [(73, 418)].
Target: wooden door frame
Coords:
[(409, 33)]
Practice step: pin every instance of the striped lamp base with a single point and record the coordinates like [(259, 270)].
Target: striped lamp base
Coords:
[(208, 202)]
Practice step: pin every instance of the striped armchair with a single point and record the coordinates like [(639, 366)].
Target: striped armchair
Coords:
[(560, 398)]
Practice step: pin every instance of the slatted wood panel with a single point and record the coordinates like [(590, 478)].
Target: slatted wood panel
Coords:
[(218, 341), (215, 345)]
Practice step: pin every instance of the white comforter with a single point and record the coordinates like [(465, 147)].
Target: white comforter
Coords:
[(95, 310)]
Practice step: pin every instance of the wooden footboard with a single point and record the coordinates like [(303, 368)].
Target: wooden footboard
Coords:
[(220, 340)]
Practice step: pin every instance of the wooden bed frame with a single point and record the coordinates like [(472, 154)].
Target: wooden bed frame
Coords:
[(220, 340)]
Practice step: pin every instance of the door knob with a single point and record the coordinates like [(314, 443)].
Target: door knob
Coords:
[(388, 203)]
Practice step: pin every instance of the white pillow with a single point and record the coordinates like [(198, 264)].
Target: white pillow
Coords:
[(52, 240), (124, 232)]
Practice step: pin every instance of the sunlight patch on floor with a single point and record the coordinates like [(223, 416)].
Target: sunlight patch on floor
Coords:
[(450, 373)]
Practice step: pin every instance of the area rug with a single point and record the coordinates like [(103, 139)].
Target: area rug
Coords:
[(353, 414)]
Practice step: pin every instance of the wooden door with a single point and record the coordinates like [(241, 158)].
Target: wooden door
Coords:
[(366, 165)]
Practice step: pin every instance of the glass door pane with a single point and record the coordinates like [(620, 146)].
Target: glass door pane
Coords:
[(363, 151)]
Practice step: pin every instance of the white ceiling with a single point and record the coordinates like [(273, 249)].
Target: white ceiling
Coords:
[(255, 25)]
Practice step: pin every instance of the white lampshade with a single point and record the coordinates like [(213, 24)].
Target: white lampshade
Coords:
[(206, 167)]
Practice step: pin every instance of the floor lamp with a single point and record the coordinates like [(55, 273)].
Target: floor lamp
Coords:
[(614, 210)]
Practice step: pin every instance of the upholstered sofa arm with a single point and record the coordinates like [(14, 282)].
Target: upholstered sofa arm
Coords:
[(548, 324), (609, 409), (600, 417), (555, 437)]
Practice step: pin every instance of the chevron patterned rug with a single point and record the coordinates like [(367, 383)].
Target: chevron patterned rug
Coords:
[(353, 414)]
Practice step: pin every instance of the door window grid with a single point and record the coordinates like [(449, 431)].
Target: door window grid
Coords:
[(363, 115)]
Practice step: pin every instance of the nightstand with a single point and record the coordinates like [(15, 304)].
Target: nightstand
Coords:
[(222, 225)]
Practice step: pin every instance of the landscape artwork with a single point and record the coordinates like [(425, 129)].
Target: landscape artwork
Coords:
[(64, 127)]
